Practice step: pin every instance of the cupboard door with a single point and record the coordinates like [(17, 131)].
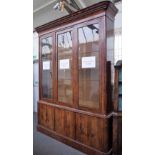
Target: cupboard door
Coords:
[(92, 131), (64, 45), (50, 117), (46, 116), (46, 68), (65, 123), (42, 114), (88, 38)]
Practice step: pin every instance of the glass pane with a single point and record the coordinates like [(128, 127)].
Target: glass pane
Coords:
[(120, 103), (120, 88), (120, 75), (47, 88), (65, 67), (88, 38)]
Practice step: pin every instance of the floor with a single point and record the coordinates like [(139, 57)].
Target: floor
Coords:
[(44, 145)]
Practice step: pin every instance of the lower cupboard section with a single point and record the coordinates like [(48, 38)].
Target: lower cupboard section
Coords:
[(90, 134)]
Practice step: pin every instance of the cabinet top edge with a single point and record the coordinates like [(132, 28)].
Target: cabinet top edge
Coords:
[(81, 14)]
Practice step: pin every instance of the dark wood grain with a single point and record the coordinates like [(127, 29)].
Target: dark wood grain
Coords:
[(89, 113), (46, 116), (50, 117), (109, 88), (92, 131), (103, 68), (65, 123), (116, 91)]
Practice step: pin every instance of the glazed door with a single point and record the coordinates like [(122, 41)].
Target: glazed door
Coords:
[(88, 57), (91, 60), (65, 67), (80, 64), (46, 68)]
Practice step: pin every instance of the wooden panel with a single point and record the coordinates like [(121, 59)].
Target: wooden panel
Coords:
[(81, 128), (92, 131), (65, 123), (59, 121), (42, 114), (50, 117), (46, 116), (90, 11), (102, 66), (109, 88)]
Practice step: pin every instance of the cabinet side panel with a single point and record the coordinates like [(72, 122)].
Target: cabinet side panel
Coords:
[(109, 88), (110, 61)]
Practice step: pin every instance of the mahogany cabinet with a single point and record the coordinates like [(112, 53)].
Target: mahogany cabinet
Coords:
[(75, 105)]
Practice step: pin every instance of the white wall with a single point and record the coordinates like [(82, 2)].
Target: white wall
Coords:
[(35, 71), (118, 17), (118, 34), (46, 14)]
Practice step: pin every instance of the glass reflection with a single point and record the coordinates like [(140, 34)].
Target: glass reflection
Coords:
[(65, 67), (47, 88), (88, 38), (120, 103)]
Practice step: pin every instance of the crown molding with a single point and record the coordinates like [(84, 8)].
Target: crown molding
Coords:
[(101, 6)]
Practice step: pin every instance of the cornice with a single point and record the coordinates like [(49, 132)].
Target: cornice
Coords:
[(86, 12)]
